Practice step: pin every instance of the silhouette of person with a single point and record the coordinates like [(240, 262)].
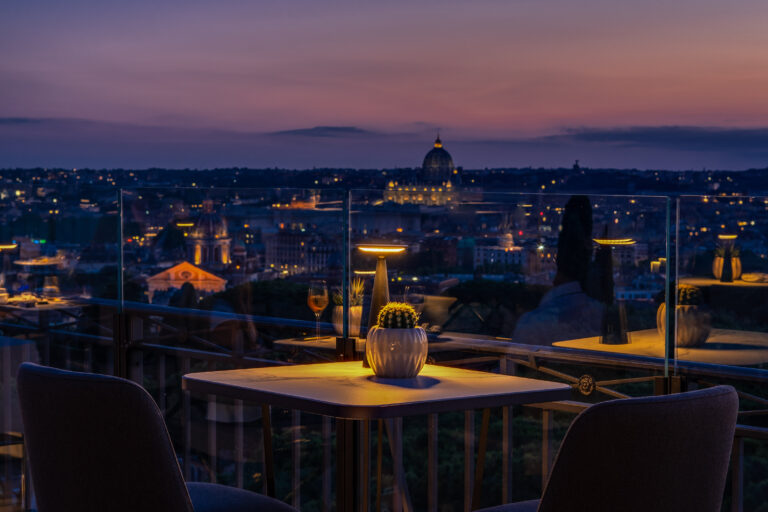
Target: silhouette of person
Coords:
[(566, 311)]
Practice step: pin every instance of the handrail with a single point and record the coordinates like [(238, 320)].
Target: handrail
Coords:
[(750, 432)]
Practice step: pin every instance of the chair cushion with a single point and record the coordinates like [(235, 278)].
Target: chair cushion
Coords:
[(222, 498), (520, 506)]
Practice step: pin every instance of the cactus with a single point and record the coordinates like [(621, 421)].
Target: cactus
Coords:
[(688, 295), (721, 251), (398, 315)]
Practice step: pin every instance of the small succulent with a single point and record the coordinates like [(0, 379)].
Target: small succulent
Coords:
[(398, 315), (721, 251), (688, 295), (356, 291)]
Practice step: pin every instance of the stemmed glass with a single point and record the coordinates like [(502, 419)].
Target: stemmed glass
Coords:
[(414, 296), (317, 299)]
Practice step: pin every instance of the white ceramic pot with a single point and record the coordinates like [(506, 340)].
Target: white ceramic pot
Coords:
[(717, 267), (693, 325), (355, 316), (396, 353)]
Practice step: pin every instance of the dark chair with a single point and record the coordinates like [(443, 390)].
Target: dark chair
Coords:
[(98, 443), (641, 454)]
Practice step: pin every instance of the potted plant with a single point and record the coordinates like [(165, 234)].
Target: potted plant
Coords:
[(396, 347), (721, 255), (356, 291), (693, 323)]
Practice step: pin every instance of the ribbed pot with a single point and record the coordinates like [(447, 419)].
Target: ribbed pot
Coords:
[(355, 316), (717, 267), (396, 353), (693, 325)]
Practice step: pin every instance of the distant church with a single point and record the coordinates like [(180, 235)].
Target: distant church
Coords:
[(209, 242), (434, 185)]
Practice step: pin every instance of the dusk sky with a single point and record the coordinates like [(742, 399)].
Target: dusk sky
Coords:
[(645, 84)]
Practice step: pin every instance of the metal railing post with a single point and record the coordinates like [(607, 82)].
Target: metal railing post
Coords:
[(546, 446), (239, 445), (506, 367), (296, 456), (212, 436), (737, 475), (432, 466), (469, 458)]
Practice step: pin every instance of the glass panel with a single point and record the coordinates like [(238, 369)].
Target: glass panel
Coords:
[(559, 287), (723, 281), (58, 288), (722, 325), (232, 278)]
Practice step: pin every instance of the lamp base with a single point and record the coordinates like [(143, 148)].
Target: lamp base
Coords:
[(345, 349)]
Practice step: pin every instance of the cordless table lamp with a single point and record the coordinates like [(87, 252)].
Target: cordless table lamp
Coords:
[(380, 294)]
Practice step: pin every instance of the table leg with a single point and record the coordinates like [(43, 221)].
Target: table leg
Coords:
[(379, 458), (365, 460), (347, 470)]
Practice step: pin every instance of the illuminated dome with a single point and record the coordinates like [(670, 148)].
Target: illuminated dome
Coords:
[(209, 224), (438, 164), (208, 243)]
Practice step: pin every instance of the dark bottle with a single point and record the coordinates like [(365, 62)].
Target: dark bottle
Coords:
[(727, 275)]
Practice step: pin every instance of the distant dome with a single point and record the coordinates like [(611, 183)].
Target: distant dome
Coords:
[(209, 224), (239, 249), (438, 164)]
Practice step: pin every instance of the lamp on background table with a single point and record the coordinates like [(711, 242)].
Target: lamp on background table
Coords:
[(614, 330)]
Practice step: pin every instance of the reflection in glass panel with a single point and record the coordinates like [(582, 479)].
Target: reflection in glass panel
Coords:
[(562, 287), (218, 279), (59, 256), (722, 281), (530, 269)]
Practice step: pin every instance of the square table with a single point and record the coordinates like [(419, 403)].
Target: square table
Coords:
[(349, 392), (723, 346)]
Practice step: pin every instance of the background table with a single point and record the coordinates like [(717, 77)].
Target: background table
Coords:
[(724, 346), (350, 392)]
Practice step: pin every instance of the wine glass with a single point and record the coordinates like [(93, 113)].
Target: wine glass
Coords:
[(317, 299), (414, 296)]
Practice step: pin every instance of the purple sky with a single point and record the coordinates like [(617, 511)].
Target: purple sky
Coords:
[(649, 83)]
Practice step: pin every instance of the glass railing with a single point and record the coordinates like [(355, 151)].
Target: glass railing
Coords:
[(59, 289), (723, 281), (570, 288)]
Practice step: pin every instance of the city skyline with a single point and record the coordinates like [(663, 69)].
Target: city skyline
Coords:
[(299, 85)]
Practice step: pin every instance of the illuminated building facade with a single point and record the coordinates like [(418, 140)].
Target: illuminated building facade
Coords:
[(435, 185), (504, 253), (176, 276), (294, 252)]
